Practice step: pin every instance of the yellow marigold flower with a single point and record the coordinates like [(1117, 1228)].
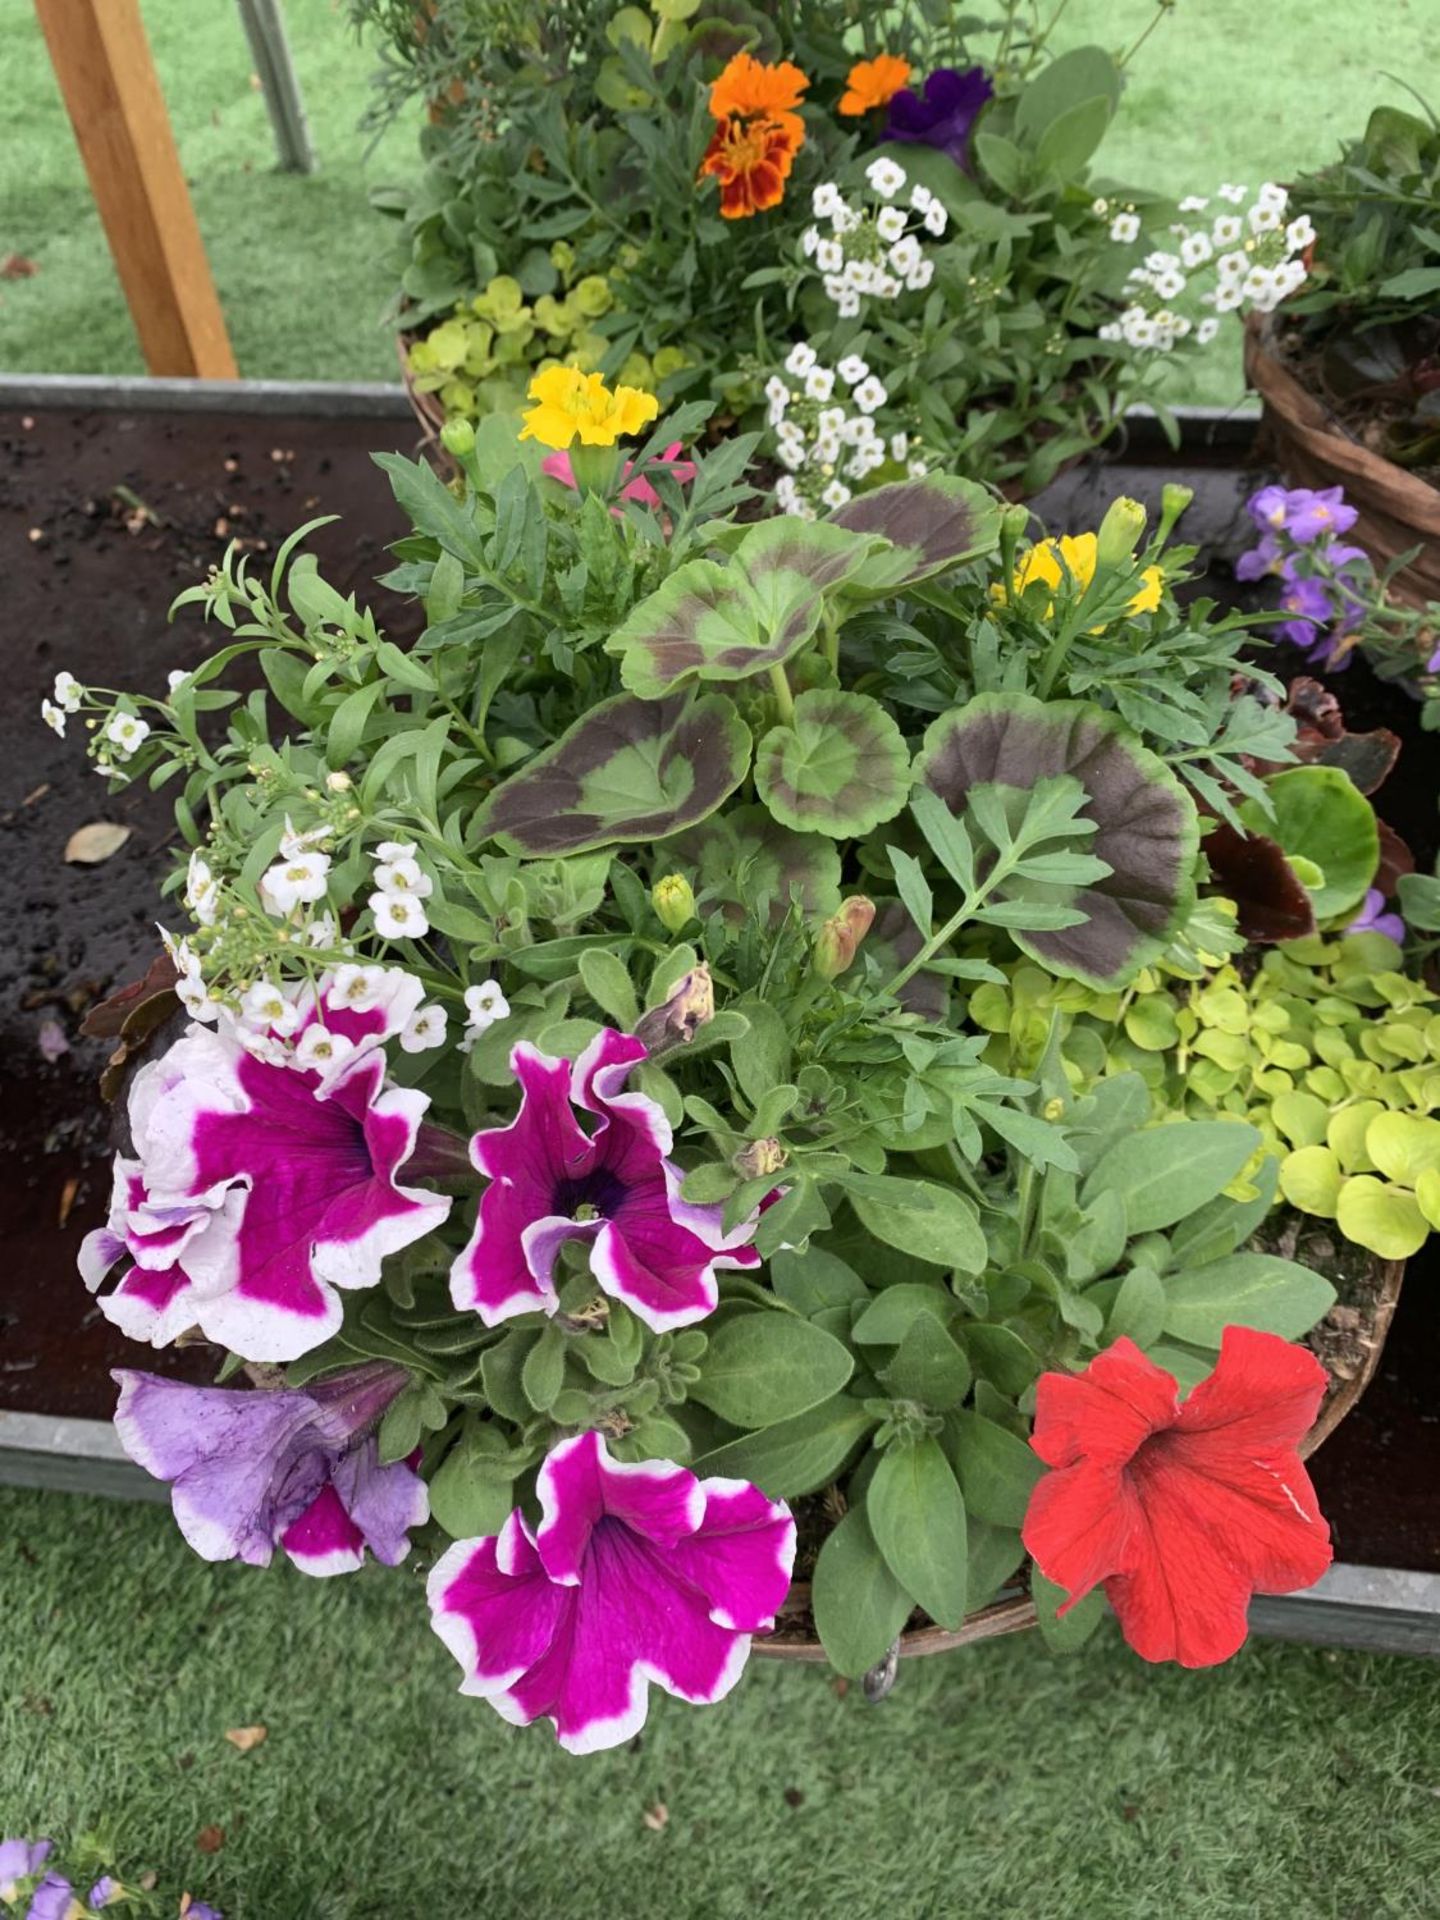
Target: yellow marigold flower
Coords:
[(572, 404), (1073, 557), (874, 83)]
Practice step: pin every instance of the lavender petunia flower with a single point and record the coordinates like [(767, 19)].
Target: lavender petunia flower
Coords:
[(636, 1573), (943, 115), (53, 1899), (260, 1186), (19, 1860), (1372, 918), (1304, 513), (297, 1469), (615, 1187)]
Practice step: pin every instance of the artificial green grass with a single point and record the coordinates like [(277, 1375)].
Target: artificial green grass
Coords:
[(1222, 90), (1290, 1785)]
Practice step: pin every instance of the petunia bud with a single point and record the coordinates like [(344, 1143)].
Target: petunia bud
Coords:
[(677, 1020), (673, 899), (1174, 499), (765, 1157), (838, 941), (1120, 532), (458, 437)]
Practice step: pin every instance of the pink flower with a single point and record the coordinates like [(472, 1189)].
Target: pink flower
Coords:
[(1181, 1513), (636, 1573), (557, 466), (297, 1469), (615, 1187), (261, 1184)]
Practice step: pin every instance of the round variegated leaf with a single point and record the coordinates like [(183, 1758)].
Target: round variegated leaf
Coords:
[(1147, 831), (839, 767), (932, 522), (628, 770), (744, 855)]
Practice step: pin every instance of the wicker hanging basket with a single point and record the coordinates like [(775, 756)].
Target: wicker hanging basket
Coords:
[(1397, 509)]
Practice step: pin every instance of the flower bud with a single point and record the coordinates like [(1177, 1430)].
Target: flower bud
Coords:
[(677, 1020), (1174, 499), (760, 1157), (1120, 532), (838, 941), (458, 438), (673, 899), (339, 781)]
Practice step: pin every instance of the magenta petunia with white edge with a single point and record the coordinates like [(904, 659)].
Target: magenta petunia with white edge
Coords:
[(636, 1573), (260, 1186), (297, 1469), (613, 1186)]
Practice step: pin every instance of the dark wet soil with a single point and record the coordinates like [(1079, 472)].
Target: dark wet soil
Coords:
[(90, 594), (104, 518)]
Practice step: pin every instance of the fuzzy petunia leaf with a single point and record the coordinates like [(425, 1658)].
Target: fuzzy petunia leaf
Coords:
[(839, 767), (931, 523), (1146, 828), (629, 770), (714, 622)]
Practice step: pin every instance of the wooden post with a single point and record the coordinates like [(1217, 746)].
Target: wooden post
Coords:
[(102, 61)]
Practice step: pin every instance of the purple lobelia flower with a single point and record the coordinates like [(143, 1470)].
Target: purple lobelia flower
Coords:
[(943, 115), (21, 1860), (1303, 513), (1312, 612), (1372, 918), (635, 1573), (260, 1185), (615, 1187), (105, 1889), (1265, 558), (297, 1469)]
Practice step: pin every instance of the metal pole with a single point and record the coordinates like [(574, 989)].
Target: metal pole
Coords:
[(270, 50)]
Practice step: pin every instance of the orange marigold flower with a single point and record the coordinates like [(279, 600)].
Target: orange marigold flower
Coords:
[(748, 89), (752, 164), (874, 83), (757, 134)]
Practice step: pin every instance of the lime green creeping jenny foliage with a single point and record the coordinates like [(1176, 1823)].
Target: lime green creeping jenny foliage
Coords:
[(1327, 1048), (822, 813)]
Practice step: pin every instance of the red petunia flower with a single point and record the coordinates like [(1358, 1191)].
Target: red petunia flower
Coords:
[(1181, 1513)]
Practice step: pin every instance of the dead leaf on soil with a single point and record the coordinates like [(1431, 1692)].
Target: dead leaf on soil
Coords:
[(91, 844), (210, 1839), (245, 1737), (657, 1818), (15, 266)]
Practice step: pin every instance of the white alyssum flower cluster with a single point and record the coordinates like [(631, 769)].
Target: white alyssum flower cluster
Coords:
[(300, 876), (875, 250), (68, 698), (401, 890), (829, 438), (485, 1005), (1252, 255)]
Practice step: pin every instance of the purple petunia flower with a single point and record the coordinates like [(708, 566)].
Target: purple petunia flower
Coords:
[(636, 1573), (944, 115), (53, 1899), (615, 1187), (297, 1469), (1372, 918), (261, 1185), (1304, 513), (19, 1860)]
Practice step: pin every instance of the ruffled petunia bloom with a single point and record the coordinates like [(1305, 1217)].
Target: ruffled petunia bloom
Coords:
[(873, 83), (1181, 1513), (635, 1573), (297, 1469), (558, 467), (260, 1185), (757, 134), (944, 114), (571, 405), (21, 1860), (615, 1187)]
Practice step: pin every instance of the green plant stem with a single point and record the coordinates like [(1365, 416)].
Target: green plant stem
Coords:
[(784, 699), (830, 641), (1161, 10), (968, 909)]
